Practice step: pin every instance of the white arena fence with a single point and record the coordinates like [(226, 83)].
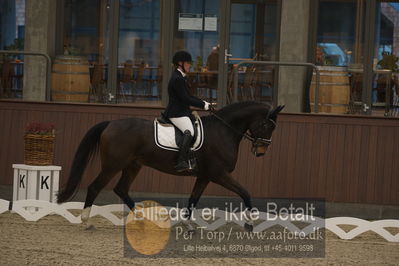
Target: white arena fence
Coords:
[(34, 210)]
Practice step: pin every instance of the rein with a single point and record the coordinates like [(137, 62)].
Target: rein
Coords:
[(255, 141)]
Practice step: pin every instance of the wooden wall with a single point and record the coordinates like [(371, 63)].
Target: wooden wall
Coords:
[(339, 158)]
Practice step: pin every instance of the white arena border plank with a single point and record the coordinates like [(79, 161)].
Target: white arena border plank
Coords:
[(332, 224)]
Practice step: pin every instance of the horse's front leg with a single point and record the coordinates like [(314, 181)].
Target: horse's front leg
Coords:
[(226, 181), (199, 187)]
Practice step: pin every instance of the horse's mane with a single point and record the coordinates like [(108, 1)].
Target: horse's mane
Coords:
[(241, 106)]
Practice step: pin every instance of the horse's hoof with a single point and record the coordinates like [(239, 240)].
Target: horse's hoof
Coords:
[(85, 214), (189, 227), (90, 227), (249, 227), (192, 231)]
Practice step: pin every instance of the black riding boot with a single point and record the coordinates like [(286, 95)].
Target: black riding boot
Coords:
[(182, 161)]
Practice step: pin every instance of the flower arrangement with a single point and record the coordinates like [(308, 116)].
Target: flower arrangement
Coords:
[(389, 61), (39, 143), (40, 129)]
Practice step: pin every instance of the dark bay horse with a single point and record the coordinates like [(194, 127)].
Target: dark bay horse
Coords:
[(127, 144)]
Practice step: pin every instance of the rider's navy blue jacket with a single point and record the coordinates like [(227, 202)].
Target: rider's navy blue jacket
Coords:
[(180, 99)]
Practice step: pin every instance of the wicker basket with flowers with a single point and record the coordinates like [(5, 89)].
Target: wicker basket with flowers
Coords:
[(39, 144)]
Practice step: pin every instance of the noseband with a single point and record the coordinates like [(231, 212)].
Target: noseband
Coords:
[(258, 142)]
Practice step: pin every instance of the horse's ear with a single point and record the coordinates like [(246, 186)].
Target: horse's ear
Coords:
[(279, 109), (274, 112)]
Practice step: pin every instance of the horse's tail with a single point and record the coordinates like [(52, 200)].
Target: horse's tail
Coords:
[(87, 148)]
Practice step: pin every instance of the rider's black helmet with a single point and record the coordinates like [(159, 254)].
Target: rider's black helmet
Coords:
[(182, 56)]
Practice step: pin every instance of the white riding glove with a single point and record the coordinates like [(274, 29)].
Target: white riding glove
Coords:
[(206, 106)]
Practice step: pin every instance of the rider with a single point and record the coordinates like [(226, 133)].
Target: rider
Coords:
[(178, 109)]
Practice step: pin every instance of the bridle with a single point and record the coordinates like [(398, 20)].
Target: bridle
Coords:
[(256, 141), (259, 142)]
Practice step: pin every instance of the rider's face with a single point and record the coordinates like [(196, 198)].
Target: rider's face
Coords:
[(186, 66)]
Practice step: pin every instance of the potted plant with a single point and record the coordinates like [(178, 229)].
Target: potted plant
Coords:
[(18, 45), (389, 61), (39, 143)]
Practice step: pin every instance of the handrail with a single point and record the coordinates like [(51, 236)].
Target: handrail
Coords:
[(316, 94), (48, 66)]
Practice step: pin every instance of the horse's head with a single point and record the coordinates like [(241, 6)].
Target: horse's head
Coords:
[(261, 131)]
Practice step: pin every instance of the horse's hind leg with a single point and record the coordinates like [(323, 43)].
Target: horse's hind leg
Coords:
[(92, 191), (122, 188)]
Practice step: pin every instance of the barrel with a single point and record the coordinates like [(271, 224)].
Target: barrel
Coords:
[(70, 79), (334, 90)]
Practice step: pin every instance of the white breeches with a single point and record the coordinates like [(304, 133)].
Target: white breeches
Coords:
[(183, 123)]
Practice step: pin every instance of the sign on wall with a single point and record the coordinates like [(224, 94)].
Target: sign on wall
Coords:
[(211, 22), (190, 22)]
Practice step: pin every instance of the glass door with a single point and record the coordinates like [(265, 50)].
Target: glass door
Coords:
[(253, 36), (12, 32), (220, 34), (139, 53), (87, 39), (385, 89), (340, 55), (197, 30), (121, 41)]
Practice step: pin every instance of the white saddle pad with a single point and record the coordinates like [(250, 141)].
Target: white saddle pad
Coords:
[(165, 136)]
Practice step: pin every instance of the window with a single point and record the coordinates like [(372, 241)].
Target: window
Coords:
[(139, 53), (12, 35), (338, 33), (254, 36), (83, 33), (340, 45), (385, 87), (197, 31)]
